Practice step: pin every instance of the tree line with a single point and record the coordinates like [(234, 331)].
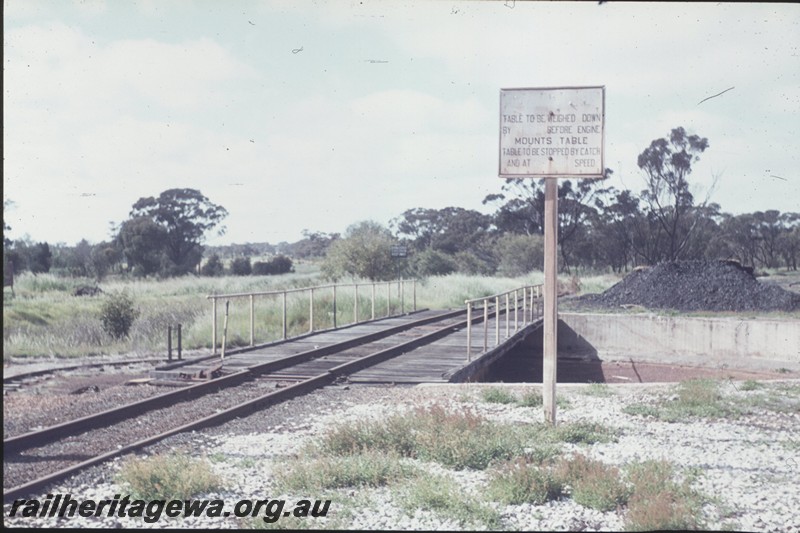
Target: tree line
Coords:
[(600, 227)]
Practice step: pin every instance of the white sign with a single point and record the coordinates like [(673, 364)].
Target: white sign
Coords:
[(552, 132)]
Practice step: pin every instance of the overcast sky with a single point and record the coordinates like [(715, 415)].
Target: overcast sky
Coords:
[(314, 115)]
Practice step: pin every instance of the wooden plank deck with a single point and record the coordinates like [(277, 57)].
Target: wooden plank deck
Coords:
[(441, 361), (445, 360)]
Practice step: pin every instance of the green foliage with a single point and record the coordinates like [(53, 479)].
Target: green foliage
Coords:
[(584, 433), (532, 399), (366, 469), (213, 267), (444, 497), (496, 395), (241, 266), (143, 243), (523, 481), (433, 263), (593, 483), (117, 314), (167, 477), (658, 502), (600, 390), (183, 217), (280, 264), (698, 398), (455, 439), (520, 254), (364, 252)]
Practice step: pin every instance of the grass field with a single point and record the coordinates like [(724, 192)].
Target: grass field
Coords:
[(44, 318)]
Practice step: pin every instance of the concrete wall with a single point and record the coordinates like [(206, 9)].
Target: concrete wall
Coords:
[(747, 344)]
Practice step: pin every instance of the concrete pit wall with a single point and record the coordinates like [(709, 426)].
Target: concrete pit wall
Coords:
[(745, 344)]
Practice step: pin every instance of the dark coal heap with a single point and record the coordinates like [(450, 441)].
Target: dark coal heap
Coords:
[(696, 286)]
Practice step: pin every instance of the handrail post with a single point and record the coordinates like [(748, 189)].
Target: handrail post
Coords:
[(283, 315), (373, 300), (214, 325), (402, 296), (485, 324), (180, 345), (334, 307), (414, 289), (533, 316), (496, 320), (388, 298), (508, 317), (169, 342), (469, 331), (252, 322), (524, 305), (516, 318)]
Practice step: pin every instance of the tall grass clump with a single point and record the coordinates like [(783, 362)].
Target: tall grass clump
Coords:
[(658, 502), (367, 469), (458, 440), (524, 481), (593, 483), (167, 477)]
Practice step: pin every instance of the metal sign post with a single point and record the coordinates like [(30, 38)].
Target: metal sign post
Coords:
[(551, 133)]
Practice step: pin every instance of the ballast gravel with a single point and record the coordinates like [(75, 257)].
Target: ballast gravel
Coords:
[(747, 468)]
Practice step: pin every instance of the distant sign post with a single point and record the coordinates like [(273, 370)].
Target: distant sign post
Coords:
[(551, 133), (399, 251)]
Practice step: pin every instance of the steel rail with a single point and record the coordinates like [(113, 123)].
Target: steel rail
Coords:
[(250, 406), (79, 425)]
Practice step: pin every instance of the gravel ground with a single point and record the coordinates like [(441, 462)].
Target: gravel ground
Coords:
[(68, 395), (748, 466)]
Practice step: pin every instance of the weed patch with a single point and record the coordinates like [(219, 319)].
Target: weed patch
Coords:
[(524, 481), (367, 469), (445, 498), (531, 399), (458, 440), (699, 398), (593, 483), (496, 395), (600, 390), (658, 502), (167, 477)]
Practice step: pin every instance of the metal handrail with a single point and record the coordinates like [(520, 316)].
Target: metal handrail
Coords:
[(530, 293), (401, 283)]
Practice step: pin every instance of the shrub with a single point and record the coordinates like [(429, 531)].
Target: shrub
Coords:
[(279, 264), (434, 263), (213, 267), (241, 266), (167, 477), (519, 254), (117, 314)]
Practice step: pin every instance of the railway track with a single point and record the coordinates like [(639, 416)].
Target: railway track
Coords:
[(24, 379), (36, 459)]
